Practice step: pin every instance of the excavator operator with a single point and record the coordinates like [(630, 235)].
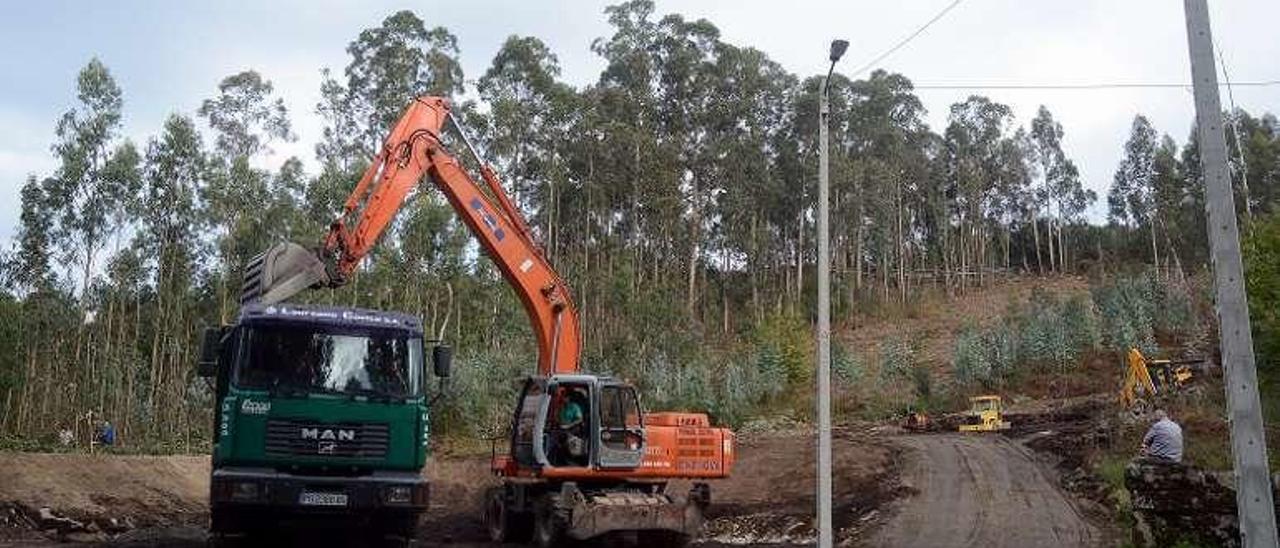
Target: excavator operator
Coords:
[(568, 445)]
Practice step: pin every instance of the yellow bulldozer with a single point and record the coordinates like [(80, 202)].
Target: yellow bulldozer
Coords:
[(1144, 379), (984, 415)]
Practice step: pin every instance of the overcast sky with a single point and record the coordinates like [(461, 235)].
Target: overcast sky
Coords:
[(168, 56)]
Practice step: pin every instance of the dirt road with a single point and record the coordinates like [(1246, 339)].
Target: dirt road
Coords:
[(980, 490)]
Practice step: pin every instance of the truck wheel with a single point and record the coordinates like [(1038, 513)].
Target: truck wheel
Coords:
[(398, 530), (230, 528), (223, 522), (547, 532), (504, 524)]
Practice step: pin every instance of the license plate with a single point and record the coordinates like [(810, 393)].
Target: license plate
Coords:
[(323, 499)]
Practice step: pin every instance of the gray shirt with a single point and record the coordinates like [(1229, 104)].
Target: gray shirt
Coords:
[(1164, 440)]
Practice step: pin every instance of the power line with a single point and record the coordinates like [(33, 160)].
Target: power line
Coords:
[(906, 40), (1087, 86)]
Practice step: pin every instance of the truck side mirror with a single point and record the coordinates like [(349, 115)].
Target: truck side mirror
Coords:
[(442, 360), (210, 351)]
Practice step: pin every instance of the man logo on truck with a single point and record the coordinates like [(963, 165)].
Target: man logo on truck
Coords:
[(329, 434)]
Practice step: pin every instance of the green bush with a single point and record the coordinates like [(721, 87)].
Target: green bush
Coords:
[(846, 365), (788, 340), (897, 359), (1046, 333), (1176, 312), (1262, 280), (1080, 321), (481, 393), (1126, 306), (972, 361), (1053, 333), (922, 379)]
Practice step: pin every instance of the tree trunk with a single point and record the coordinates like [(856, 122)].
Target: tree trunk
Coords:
[(1155, 254), (754, 272), (1053, 252), (1035, 235), (799, 261), (1062, 249), (902, 264)]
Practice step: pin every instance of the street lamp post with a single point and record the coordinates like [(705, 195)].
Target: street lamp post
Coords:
[(838, 48)]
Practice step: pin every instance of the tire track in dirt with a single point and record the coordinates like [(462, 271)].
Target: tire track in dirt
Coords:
[(980, 491)]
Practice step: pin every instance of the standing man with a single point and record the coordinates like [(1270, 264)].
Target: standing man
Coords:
[(1163, 442)]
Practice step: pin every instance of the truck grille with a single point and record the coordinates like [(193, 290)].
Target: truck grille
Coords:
[(287, 437)]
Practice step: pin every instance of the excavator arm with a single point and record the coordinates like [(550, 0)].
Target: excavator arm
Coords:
[(1137, 380), (413, 150)]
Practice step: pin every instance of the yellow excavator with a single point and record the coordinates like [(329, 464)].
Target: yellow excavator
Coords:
[(984, 415), (1144, 379)]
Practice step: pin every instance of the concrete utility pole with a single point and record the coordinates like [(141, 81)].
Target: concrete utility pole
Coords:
[(824, 309), (1248, 447)]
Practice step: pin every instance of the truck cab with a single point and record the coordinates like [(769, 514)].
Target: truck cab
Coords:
[(321, 412)]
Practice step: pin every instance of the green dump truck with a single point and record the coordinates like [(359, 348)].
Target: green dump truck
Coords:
[(322, 413)]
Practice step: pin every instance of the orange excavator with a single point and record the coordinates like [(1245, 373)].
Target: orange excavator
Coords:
[(584, 460)]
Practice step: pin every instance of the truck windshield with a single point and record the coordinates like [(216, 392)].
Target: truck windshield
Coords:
[(304, 359)]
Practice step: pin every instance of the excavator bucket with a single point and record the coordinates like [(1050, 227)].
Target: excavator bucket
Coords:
[(281, 272)]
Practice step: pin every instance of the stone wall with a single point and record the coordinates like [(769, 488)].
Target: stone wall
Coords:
[(1176, 502)]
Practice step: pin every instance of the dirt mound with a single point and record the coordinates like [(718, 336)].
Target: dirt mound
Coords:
[(769, 499), (144, 490), (94, 497)]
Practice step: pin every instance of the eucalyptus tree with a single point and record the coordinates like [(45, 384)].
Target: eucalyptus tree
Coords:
[(246, 117), (628, 150), (1046, 137), (973, 136), (1073, 199), (390, 65), (1131, 200), (886, 131), (169, 236), (686, 53), (751, 94), (1015, 201), (96, 175), (530, 115), (1061, 194), (30, 268), (1257, 158)]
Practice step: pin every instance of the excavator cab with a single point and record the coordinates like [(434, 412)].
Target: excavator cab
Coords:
[(577, 421)]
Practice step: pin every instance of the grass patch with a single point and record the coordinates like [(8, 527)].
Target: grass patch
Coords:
[(1111, 469)]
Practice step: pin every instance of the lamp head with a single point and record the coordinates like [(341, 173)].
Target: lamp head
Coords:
[(838, 48)]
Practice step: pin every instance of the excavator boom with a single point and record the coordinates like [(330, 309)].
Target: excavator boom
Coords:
[(413, 150)]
